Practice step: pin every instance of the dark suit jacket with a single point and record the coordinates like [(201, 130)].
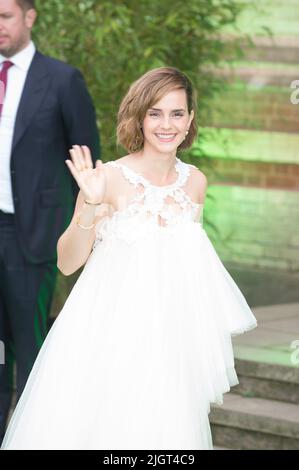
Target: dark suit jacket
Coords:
[(55, 112)]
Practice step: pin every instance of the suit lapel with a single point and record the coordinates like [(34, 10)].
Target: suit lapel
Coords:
[(35, 87)]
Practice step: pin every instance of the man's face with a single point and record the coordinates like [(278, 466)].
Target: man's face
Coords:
[(15, 27)]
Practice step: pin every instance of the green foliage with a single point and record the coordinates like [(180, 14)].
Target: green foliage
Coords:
[(113, 43)]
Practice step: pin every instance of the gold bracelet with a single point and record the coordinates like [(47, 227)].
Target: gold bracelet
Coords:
[(82, 226), (90, 226), (92, 203)]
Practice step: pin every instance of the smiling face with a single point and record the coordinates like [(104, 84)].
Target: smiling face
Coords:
[(15, 27), (166, 122)]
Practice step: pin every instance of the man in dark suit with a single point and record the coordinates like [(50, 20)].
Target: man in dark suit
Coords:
[(45, 108)]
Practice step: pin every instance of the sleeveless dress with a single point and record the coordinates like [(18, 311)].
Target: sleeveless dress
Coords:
[(142, 345)]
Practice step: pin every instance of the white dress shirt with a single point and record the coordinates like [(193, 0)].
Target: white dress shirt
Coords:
[(17, 74)]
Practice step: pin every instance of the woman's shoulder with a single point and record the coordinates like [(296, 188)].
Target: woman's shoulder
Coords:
[(197, 175), (198, 183), (115, 179), (121, 160), (114, 169)]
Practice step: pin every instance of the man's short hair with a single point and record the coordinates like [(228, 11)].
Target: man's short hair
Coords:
[(26, 4)]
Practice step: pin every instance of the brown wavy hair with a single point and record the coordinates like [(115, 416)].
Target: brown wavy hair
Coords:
[(142, 95)]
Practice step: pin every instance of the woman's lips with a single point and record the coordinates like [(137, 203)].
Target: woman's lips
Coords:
[(166, 137)]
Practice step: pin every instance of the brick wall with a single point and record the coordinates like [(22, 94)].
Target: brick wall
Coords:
[(255, 228), (251, 145), (253, 174), (245, 107)]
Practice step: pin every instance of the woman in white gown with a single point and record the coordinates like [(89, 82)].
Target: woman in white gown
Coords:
[(142, 346)]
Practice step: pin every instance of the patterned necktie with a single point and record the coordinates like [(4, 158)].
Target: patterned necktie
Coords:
[(3, 82)]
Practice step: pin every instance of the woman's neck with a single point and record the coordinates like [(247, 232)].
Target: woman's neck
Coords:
[(157, 165)]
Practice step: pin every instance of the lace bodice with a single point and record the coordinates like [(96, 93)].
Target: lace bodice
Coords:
[(150, 207)]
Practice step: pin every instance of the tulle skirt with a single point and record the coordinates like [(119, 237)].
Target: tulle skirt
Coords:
[(140, 350)]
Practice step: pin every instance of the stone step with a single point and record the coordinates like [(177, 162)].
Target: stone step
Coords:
[(257, 74), (273, 381), (249, 145), (266, 109), (221, 448), (276, 49), (255, 424), (274, 16)]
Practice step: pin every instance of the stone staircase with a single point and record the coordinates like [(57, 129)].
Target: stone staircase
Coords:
[(262, 412), (267, 418), (255, 424)]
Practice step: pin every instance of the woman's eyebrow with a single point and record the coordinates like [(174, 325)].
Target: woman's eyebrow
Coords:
[(157, 109)]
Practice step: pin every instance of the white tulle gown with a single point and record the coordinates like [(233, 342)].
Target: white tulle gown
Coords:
[(142, 346)]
